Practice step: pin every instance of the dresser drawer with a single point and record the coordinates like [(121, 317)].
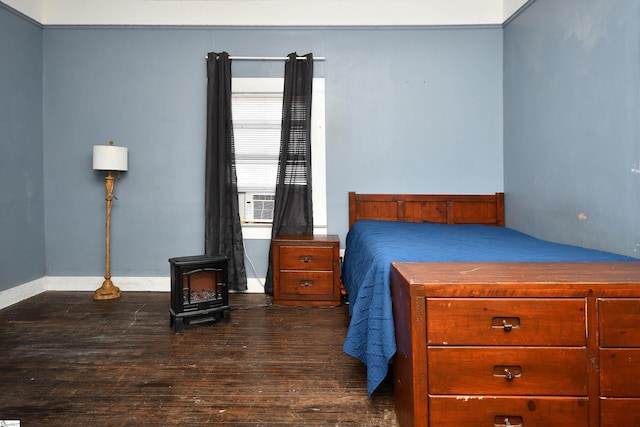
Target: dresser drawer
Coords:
[(506, 321), (312, 283), (620, 372), (619, 412), (619, 322), (306, 258), (507, 370), (474, 411)]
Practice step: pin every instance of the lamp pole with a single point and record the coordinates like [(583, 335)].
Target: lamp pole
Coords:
[(108, 290)]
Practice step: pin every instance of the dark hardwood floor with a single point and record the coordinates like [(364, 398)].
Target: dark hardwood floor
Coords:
[(68, 360)]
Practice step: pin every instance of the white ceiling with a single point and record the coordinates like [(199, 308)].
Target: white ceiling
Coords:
[(268, 12)]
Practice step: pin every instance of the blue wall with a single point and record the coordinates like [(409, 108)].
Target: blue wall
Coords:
[(22, 247), (407, 110), (572, 128)]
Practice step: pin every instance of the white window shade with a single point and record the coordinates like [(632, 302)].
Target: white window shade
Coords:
[(256, 132), (257, 107)]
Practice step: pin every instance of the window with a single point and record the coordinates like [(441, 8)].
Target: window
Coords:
[(257, 115), (256, 131)]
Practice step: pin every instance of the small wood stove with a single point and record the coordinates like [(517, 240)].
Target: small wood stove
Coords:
[(199, 290)]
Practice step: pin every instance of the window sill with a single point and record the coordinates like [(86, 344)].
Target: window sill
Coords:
[(263, 231), (256, 231)]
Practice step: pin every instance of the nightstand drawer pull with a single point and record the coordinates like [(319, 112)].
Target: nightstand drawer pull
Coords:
[(505, 323), (508, 372), (306, 283), (306, 259), (508, 421)]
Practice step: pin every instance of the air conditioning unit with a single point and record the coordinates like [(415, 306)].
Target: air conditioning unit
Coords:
[(258, 207)]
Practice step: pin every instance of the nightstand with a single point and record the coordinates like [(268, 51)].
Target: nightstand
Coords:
[(306, 270)]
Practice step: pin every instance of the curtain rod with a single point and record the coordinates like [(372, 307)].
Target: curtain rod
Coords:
[(270, 58)]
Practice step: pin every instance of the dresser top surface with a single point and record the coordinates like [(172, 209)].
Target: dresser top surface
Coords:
[(515, 272), (512, 279)]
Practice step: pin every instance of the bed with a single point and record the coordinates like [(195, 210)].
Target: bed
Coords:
[(415, 222)]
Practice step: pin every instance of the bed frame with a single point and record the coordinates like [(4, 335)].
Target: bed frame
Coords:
[(581, 317)]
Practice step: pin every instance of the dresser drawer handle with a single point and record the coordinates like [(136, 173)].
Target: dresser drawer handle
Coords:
[(306, 259), (508, 372), (507, 421), (507, 324), (306, 283)]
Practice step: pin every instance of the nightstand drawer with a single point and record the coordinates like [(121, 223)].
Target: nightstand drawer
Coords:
[(507, 370), (619, 322), (306, 283), (506, 321), (306, 258)]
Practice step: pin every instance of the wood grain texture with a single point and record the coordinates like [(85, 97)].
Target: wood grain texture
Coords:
[(436, 208), (68, 360)]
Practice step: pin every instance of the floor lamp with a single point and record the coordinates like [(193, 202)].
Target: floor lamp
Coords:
[(112, 159)]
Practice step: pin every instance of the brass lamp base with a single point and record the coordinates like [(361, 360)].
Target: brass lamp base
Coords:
[(107, 291)]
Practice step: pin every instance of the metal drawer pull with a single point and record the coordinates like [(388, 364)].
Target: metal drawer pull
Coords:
[(508, 372), (508, 421), (507, 324), (306, 283), (306, 258)]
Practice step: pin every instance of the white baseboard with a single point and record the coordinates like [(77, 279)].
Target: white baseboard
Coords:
[(127, 284), (91, 283), (255, 286), (22, 292)]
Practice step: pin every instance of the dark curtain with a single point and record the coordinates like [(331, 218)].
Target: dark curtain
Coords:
[(293, 210), (223, 232)]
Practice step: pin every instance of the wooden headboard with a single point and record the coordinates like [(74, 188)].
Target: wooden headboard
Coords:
[(439, 208)]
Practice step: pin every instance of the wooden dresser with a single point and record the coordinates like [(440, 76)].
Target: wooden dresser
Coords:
[(495, 344), (306, 270)]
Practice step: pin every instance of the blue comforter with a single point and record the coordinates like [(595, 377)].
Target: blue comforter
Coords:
[(371, 246)]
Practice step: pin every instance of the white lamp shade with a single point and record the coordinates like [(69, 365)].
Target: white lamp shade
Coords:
[(110, 158)]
